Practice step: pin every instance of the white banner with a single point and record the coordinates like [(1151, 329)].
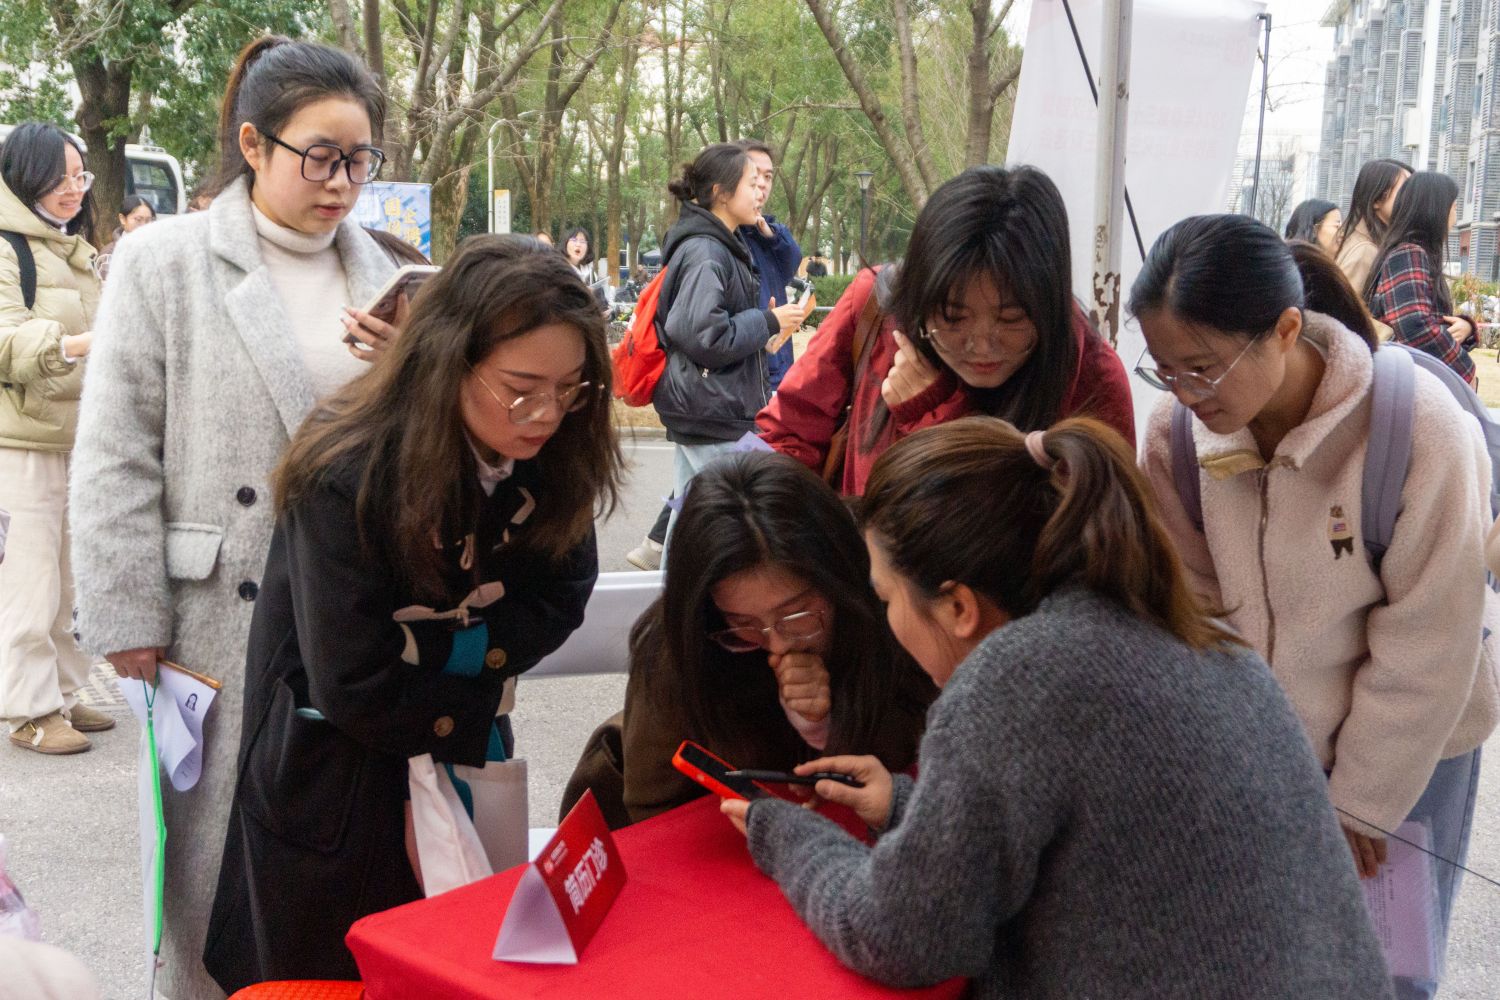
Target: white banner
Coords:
[(1191, 63)]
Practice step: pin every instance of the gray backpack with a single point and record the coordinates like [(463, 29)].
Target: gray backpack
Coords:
[(1388, 455)]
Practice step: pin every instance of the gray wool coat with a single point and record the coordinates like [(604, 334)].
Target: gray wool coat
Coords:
[(195, 386)]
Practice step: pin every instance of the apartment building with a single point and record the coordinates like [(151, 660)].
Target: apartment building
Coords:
[(1419, 81)]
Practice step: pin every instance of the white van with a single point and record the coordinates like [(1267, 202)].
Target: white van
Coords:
[(150, 172)]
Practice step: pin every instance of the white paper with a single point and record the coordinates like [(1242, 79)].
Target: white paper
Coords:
[(179, 708), (533, 930), (4, 530), (1403, 905)]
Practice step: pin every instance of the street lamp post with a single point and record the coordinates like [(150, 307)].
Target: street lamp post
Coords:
[(864, 177), (489, 159)]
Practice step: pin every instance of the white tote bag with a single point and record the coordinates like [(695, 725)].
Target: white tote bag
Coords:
[(452, 849)]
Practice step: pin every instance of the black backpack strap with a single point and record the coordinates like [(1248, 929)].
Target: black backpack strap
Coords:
[(26, 262)]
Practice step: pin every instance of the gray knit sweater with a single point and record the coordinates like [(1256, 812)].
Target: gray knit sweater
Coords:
[(1101, 813)]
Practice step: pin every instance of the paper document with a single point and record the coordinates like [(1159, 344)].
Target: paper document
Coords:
[(1403, 904), (181, 704)]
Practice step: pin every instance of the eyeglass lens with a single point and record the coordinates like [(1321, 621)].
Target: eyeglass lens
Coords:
[(746, 638), (321, 162)]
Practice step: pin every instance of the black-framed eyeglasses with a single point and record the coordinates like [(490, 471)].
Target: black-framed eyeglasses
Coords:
[(749, 638), (534, 405), (321, 160)]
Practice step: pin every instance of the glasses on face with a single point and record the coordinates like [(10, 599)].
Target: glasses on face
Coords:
[(793, 628), (1194, 384), (536, 405), (321, 161), (1006, 340), (80, 182)]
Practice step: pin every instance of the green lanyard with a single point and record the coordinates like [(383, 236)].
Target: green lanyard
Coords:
[(161, 822)]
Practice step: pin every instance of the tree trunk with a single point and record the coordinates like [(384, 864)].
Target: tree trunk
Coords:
[(105, 92)]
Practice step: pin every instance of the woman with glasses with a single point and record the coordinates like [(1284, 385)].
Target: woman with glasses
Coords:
[(978, 318), (220, 330), (1113, 798), (1381, 658), (766, 646), (434, 539), (48, 294)]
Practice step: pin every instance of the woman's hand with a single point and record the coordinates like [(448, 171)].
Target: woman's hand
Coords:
[(871, 803), (1461, 329), (736, 810), (803, 682), (1369, 852), (910, 375), (375, 334), (788, 317), (77, 345), (136, 664)]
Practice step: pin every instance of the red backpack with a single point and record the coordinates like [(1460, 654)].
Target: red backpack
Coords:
[(638, 360)]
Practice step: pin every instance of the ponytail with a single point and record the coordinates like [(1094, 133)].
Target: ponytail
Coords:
[(1326, 289), (272, 79), (967, 502), (716, 170)]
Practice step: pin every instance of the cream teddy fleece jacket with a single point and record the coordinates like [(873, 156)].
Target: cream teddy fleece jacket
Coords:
[(1384, 668)]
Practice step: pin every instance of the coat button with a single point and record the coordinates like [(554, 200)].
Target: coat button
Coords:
[(443, 726), (495, 659), (246, 496), (248, 590)]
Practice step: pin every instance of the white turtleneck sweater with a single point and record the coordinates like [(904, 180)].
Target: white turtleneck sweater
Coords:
[(309, 276)]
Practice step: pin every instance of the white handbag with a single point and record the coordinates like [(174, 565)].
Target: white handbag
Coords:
[(448, 847)]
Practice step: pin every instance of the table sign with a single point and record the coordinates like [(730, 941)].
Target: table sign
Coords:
[(565, 893)]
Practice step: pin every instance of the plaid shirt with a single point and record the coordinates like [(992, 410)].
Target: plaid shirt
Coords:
[(1405, 300)]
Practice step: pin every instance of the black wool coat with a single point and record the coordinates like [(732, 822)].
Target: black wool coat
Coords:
[(316, 835)]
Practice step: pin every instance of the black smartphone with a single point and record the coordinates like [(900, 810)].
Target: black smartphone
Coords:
[(788, 778)]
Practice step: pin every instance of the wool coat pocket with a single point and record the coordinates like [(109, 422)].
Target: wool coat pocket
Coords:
[(192, 549), (300, 775)]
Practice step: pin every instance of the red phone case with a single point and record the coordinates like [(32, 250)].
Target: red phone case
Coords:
[(707, 780)]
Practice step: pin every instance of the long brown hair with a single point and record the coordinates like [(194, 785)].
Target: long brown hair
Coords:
[(756, 509), (402, 423), (966, 502)]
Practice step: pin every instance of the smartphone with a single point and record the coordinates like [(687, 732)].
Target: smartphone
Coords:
[(407, 279), (713, 773), (800, 288)]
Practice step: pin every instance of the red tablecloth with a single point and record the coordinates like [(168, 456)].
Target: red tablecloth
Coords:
[(696, 919)]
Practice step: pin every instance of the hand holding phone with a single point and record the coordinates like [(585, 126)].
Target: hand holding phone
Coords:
[(870, 798), (406, 281)]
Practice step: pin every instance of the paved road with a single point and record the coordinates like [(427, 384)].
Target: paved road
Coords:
[(70, 821)]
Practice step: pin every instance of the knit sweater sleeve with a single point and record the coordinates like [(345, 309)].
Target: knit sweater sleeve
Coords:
[(925, 903)]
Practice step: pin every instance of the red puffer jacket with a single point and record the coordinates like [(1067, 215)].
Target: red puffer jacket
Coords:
[(801, 418)]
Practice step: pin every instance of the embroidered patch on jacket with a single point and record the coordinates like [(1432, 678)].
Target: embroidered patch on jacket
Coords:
[(1339, 535)]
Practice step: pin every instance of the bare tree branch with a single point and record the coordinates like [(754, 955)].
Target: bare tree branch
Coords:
[(906, 168), (911, 106)]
